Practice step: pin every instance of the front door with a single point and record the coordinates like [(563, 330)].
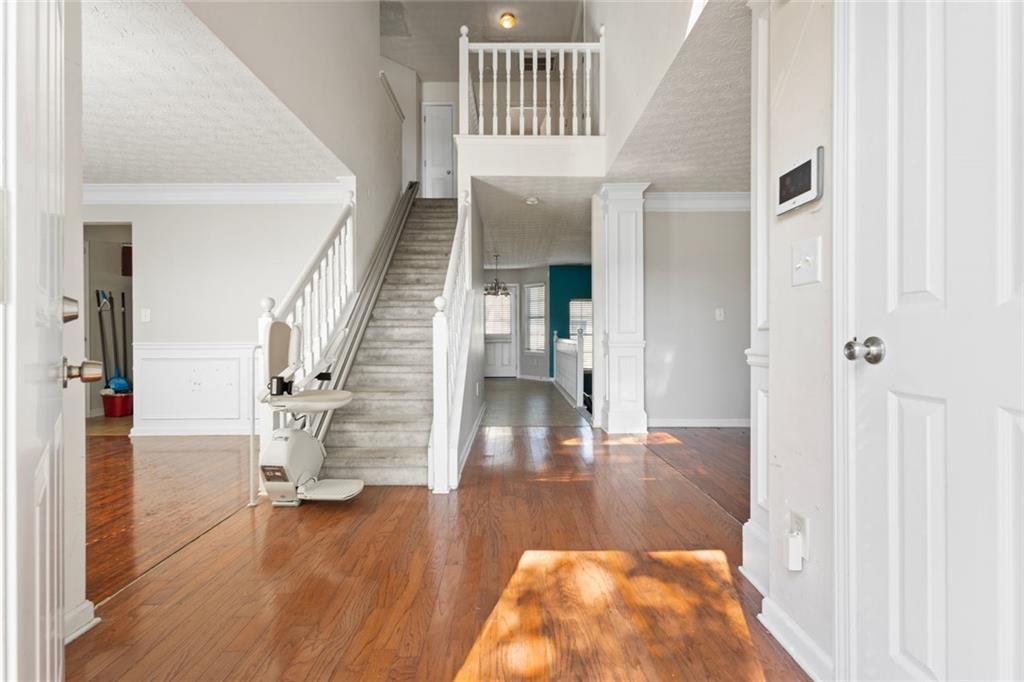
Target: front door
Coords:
[(438, 151), (31, 210), (501, 352), (935, 198)]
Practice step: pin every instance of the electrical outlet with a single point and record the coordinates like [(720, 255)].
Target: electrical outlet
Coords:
[(478, 389), (719, 314), (800, 524), (145, 315)]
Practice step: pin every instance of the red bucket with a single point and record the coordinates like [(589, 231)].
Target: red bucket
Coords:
[(117, 405)]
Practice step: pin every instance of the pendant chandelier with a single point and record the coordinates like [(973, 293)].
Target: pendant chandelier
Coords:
[(496, 287)]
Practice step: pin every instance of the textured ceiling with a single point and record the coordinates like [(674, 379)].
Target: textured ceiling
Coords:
[(694, 135), (164, 101), (424, 35), (555, 231)]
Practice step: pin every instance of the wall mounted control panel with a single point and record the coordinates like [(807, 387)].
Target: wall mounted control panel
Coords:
[(801, 183)]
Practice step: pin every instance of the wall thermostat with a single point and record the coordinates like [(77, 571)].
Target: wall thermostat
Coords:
[(802, 183)]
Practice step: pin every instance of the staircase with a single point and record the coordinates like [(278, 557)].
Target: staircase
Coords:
[(381, 437)]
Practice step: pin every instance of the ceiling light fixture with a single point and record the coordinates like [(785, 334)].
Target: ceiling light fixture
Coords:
[(496, 287), (507, 20), (531, 201)]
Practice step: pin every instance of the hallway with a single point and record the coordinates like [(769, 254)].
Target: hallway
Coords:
[(527, 402), (403, 584)]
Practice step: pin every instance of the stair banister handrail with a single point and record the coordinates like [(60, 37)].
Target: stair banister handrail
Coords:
[(448, 346)]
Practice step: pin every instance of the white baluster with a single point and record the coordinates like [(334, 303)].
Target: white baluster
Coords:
[(586, 97), (561, 92), (480, 105), (535, 91), (522, 99), (508, 91), (575, 116), (547, 92), (603, 90), (464, 83), (494, 93)]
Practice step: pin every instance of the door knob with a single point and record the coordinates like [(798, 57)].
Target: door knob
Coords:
[(872, 350), (89, 371), (447, 172), (69, 309)]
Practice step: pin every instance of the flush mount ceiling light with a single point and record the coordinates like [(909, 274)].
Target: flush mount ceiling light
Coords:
[(507, 20), (531, 201)]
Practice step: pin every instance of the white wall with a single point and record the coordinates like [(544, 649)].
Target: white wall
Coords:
[(641, 41), (322, 60), (799, 608), (443, 91), (409, 91), (696, 372)]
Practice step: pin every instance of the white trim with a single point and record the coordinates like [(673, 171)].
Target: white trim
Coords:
[(697, 422), (756, 359), (755, 556), (468, 445), (804, 650), (79, 620), (527, 377), (94, 194), (697, 202), (844, 633)]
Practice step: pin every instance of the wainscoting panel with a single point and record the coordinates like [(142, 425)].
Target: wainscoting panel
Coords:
[(192, 389)]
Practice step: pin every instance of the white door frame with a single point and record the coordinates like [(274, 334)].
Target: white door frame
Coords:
[(842, 330), (423, 144)]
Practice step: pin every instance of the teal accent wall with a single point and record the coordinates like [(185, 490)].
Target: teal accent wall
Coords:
[(565, 282)]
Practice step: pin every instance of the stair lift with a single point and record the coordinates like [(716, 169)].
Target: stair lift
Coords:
[(290, 463)]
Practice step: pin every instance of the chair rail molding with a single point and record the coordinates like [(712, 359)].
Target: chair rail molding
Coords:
[(622, 291)]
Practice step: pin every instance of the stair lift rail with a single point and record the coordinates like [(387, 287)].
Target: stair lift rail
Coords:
[(450, 355), (329, 315)]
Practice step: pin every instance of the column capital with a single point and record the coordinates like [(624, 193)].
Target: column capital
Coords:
[(610, 191)]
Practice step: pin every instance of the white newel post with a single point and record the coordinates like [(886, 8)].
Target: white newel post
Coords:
[(263, 414), (625, 408), (437, 462), (464, 81), (579, 368)]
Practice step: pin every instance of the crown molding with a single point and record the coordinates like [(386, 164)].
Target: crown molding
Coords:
[(697, 202), (94, 194)]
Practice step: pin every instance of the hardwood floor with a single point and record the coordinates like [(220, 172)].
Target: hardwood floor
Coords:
[(403, 584), (524, 402), (108, 426), (148, 497)]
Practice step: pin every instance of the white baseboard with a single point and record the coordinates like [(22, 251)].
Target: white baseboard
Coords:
[(755, 556), (468, 445), (794, 639), (192, 389), (79, 620), (528, 377), (698, 422)]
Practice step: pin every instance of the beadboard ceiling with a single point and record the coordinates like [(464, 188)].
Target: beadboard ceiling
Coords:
[(556, 231), (164, 101), (694, 135), (424, 35)]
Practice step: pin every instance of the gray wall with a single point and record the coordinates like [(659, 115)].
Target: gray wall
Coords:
[(696, 371)]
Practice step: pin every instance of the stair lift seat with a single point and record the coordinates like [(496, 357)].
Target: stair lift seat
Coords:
[(290, 463)]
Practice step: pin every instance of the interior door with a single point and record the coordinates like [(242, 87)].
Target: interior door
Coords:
[(935, 207), (438, 151), (31, 193), (501, 349)]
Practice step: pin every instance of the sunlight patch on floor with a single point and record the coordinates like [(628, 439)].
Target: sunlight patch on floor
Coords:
[(616, 615)]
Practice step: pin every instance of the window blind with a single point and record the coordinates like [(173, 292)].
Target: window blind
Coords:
[(498, 315), (536, 308), (581, 316)]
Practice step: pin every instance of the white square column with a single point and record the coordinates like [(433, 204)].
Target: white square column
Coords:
[(622, 288)]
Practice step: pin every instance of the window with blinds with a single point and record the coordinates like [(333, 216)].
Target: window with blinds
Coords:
[(497, 315), (536, 308), (581, 316)]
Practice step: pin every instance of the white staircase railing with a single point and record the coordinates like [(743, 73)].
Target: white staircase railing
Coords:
[(555, 83), (451, 335), (569, 367)]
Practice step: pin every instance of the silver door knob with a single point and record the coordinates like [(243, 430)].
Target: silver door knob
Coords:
[(69, 309), (872, 350), (89, 371)]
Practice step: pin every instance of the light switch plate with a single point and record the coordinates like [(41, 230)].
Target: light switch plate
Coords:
[(806, 265), (719, 314), (145, 315)]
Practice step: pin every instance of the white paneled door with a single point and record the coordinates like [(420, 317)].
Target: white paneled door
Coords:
[(501, 334), (31, 227), (438, 151), (934, 204)]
